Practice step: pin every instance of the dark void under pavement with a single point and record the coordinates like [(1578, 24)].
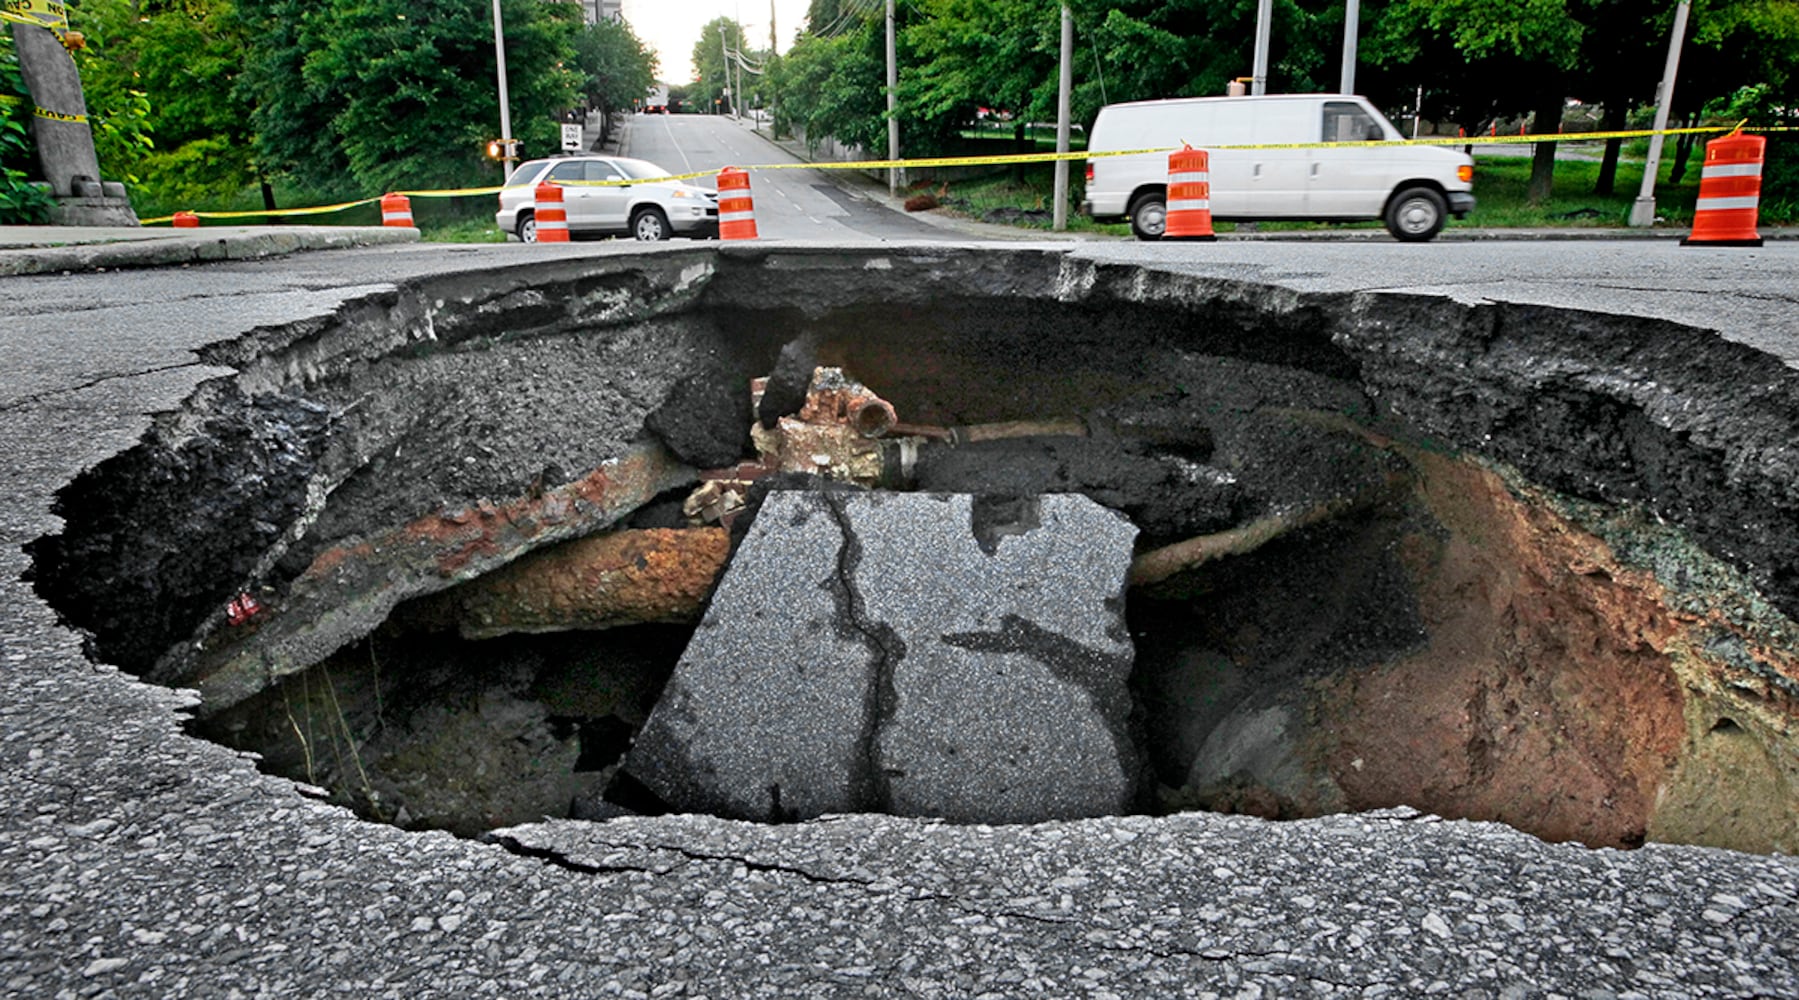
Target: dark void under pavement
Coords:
[(1485, 560)]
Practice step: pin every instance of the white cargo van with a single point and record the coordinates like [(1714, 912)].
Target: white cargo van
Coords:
[(1412, 188)]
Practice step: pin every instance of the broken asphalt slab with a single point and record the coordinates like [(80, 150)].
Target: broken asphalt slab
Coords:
[(143, 862), (911, 653)]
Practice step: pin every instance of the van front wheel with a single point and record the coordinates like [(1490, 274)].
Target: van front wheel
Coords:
[(1416, 215), (1149, 217)]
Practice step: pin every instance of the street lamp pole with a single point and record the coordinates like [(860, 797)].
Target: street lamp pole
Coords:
[(1064, 88), (1642, 211), (893, 174), (1352, 24), (1258, 80), (499, 51)]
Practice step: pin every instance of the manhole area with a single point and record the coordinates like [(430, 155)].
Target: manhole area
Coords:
[(1135, 577)]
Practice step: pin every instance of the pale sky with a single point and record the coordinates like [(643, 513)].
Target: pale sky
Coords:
[(671, 27)]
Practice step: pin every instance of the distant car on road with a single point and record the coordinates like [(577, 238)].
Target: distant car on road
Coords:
[(641, 207)]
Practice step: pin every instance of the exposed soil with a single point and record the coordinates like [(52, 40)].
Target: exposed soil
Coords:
[(1543, 698)]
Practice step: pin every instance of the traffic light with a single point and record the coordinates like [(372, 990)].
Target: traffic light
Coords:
[(499, 149)]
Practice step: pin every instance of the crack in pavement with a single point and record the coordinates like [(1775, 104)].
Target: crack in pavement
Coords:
[(561, 860), (882, 642), (38, 397)]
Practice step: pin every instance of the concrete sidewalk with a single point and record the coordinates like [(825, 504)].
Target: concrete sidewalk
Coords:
[(48, 249)]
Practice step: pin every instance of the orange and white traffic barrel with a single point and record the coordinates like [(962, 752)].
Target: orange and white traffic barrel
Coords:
[(396, 210), (186, 220), (1730, 191), (552, 219), (1189, 196), (736, 209)]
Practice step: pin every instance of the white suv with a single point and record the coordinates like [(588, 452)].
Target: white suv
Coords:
[(645, 208)]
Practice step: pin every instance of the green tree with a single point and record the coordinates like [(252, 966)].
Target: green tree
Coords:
[(709, 89), (21, 202), (616, 68), (1151, 49), (1501, 56), (173, 66), (393, 94), (825, 91)]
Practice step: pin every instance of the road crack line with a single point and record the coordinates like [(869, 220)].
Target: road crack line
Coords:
[(38, 397)]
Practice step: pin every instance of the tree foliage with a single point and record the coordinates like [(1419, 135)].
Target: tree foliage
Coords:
[(616, 68), (21, 202), (834, 87), (160, 80), (392, 94), (709, 90)]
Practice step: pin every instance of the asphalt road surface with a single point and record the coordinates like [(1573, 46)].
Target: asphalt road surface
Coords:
[(798, 204), (137, 861)]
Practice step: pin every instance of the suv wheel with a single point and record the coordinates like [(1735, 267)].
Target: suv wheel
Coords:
[(527, 227), (649, 224), (1149, 217), (1416, 214)]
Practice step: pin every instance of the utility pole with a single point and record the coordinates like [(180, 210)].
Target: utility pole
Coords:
[(499, 53), (1642, 211), (774, 100), (724, 53), (1064, 88), (893, 173), (1352, 24), (1258, 80)]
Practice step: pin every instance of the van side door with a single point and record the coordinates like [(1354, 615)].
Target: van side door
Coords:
[(1279, 184), (1352, 182)]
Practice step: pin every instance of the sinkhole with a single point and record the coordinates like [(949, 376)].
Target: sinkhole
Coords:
[(995, 536)]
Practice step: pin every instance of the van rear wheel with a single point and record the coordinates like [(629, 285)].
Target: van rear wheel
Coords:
[(1416, 214), (1149, 217)]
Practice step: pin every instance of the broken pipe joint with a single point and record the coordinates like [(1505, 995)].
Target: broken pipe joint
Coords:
[(872, 416)]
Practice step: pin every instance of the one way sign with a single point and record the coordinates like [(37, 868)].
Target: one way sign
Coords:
[(571, 137)]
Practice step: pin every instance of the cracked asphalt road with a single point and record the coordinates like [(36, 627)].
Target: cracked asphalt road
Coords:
[(135, 861)]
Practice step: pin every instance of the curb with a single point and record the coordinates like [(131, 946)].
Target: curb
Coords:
[(221, 243)]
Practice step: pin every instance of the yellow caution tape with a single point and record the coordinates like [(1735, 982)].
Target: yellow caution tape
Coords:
[(318, 210), (58, 116), (1004, 159), (50, 14)]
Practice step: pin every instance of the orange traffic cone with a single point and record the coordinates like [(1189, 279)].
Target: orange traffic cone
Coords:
[(186, 220), (1189, 196), (396, 210), (1730, 190), (552, 219), (736, 209)]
